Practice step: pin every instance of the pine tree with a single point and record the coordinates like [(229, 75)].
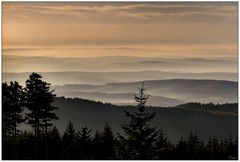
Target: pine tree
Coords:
[(222, 149), (202, 151), (108, 143), (12, 108), (84, 141), (181, 149), (69, 134), (38, 101), (193, 146), (69, 142), (97, 147), (163, 146), (215, 148), (54, 143), (139, 136), (26, 145), (54, 134), (7, 122), (231, 148), (12, 113)]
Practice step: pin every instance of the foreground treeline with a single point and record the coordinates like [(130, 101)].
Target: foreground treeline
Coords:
[(33, 105), (80, 144)]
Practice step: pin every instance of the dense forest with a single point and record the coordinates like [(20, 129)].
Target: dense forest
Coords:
[(33, 105)]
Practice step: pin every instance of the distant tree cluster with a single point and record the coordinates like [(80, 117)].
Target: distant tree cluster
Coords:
[(30, 105), (140, 141), (227, 107)]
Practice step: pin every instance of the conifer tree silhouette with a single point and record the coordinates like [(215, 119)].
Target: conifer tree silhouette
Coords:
[(69, 142), (12, 111), (163, 146), (38, 101), (97, 147), (39, 98), (84, 141), (108, 142), (54, 143), (139, 139), (12, 108), (193, 145), (181, 149)]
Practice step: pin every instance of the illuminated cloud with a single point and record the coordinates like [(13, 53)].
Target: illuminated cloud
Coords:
[(121, 25)]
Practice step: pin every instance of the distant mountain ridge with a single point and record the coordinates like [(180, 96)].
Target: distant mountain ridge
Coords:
[(83, 77), (117, 63), (122, 98), (187, 90)]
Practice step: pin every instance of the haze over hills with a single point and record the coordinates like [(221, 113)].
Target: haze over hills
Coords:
[(115, 79), (176, 90), (75, 77), (95, 56), (121, 98), (120, 87), (118, 63)]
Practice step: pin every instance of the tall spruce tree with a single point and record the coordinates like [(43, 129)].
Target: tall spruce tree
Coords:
[(12, 113), (38, 99), (138, 142), (84, 141), (69, 135), (163, 146), (69, 142), (12, 108), (193, 146), (7, 122), (181, 149), (108, 143), (54, 143), (97, 146)]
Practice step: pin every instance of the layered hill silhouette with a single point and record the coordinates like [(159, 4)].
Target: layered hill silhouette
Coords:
[(207, 120), (119, 63), (85, 77), (165, 92), (122, 98)]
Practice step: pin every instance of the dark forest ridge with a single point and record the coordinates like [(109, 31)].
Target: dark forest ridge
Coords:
[(219, 109), (206, 119)]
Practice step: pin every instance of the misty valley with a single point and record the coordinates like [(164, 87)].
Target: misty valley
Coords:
[(120, 80), (207, 109)]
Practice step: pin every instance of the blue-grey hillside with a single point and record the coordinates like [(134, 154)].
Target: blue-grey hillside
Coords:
[(86, 77), (118, 63), (175, 90), (207, 120)]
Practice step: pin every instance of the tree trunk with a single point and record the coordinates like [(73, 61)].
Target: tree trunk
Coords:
[(15, 138), (46, 141)]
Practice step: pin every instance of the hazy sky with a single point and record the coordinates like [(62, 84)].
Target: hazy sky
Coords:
[(135, 29)]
